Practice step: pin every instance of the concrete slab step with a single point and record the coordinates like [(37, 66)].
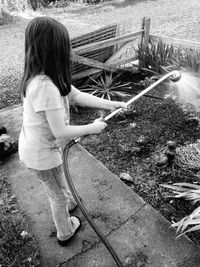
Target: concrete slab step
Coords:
[(140, 235)]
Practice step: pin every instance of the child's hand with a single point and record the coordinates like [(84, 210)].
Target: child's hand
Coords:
[(97, 126), (116, 104)]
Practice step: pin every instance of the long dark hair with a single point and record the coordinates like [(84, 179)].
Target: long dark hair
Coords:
[(47, 51)]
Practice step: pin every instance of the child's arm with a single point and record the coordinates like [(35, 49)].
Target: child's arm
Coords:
[(89, 100), (60, 130)]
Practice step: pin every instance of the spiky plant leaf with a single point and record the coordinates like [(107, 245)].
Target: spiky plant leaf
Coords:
[(173, 187), (185, 190), (190, 192), (183, 186), (157, 56), (196, 212), (107, 87), (181, 228)]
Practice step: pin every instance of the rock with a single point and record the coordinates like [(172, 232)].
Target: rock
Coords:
[(128, 260), (126, 177), (141, 140), (85, 140), (135, 149), (132, 125)]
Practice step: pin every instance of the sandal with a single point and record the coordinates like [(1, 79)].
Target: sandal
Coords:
[(64, 243)]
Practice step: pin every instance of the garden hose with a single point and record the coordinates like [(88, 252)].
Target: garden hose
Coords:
[(82, 207), (174, 76)]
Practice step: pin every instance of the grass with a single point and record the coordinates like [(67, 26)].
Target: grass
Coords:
[(18, 246)]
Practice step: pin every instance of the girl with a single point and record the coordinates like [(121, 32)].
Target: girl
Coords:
[(47, 92)]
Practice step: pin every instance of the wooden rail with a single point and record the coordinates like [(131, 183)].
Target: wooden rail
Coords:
[(175, 42), (93, 63), (100, 50), (107, 43)]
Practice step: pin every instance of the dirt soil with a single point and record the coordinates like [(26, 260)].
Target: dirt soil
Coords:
[(156, 122)]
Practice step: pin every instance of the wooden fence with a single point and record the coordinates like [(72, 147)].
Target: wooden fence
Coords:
[(104, 49)]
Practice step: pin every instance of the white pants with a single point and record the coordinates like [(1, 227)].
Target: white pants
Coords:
[(61, 201)]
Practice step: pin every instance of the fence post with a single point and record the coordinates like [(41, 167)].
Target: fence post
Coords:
[(146, 27), (145, 36)]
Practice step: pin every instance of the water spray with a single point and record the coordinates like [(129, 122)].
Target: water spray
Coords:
[(173, 76)]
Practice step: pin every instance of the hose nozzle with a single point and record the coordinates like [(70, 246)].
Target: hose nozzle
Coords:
[(175, 76)]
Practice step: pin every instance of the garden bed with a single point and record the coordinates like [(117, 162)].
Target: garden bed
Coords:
[(155, 121)]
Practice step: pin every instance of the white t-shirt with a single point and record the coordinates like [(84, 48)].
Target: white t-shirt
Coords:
[(38, 147)]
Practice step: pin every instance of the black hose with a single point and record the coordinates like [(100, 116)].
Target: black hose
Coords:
[(81, 206)]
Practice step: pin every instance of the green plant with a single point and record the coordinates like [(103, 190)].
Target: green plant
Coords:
[(157, 57), (189, 192), (17, 5), (40, 3), (107, 87), (189, 59), (188, 156), (161, 58), (148, 81), (5, 18)]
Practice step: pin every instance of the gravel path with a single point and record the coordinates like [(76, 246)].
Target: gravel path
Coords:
[(171, 18)]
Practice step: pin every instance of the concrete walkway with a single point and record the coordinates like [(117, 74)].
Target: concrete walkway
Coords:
[(139, 234)]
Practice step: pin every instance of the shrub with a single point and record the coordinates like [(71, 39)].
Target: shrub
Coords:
[(156, 57), (17, 5), (161, 58), (40, 3), (5, 18)]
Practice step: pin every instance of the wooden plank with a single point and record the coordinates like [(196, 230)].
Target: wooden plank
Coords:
[(112, 66), (124, 61), (93, 39), (85, 73), (93, 36), (119, 52), (93, 63), (106, 43), (116, 46), (175, 41), (92, 71), (98, 55), (95, 71)]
